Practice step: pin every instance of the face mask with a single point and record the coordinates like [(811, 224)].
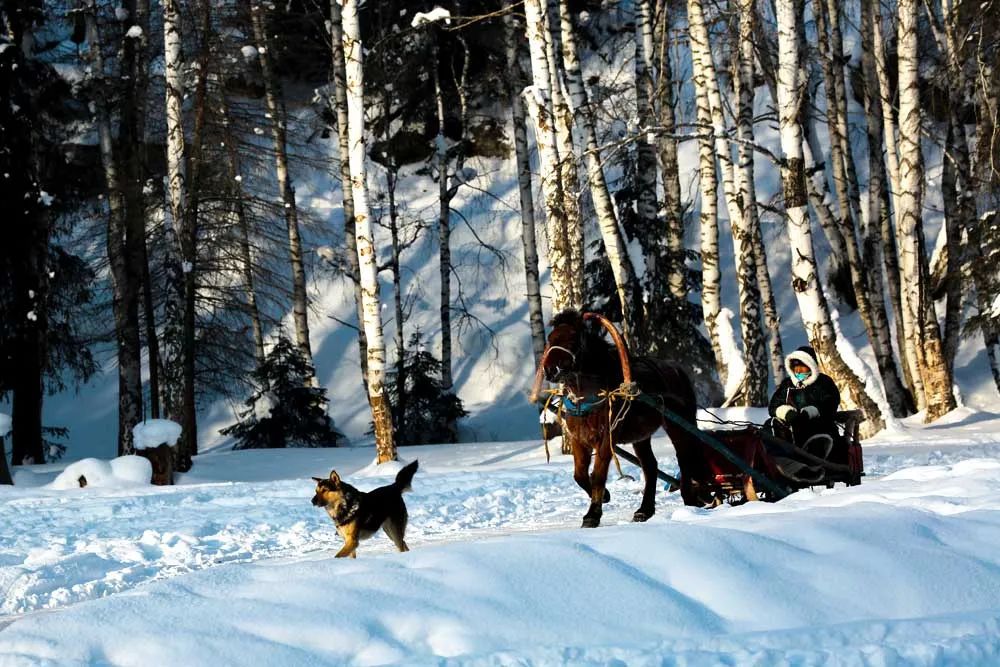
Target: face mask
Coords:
[(801, 376)]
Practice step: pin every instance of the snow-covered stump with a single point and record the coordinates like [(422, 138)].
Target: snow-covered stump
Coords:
[(155, 440)]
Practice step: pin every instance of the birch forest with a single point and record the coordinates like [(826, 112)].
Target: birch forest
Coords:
[(301, 215)]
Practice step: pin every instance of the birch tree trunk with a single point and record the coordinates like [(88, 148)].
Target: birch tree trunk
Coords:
[(539, 102), (353, 56), (911, 371), (711, 277), (874, 234), (614, 244), (521, 155), (748, 230), (339, 104), (276, 109), (667, 149), (832, 19), (444, 232), (706, 84), (917, 306), (178, 349), (864, 277), (124, 287), (568, 172), (805, 278), (646, 154), (763, 49)]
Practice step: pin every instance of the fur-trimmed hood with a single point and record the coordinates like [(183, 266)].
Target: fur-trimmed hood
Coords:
[(807, 356)]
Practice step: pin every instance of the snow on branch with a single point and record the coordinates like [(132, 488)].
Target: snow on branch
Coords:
[(433, 16)]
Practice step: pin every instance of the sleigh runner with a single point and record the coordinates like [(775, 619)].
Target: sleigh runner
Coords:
[(737, 465)]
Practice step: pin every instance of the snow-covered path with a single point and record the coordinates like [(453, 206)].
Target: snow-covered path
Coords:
[(904, 569)]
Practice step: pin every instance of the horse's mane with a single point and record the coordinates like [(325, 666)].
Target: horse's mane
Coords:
[(568, 317), (574, 319)]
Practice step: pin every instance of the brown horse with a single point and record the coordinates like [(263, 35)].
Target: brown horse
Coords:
[(587, 367)]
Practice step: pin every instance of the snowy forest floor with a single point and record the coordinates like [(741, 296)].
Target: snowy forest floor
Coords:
[(234, 566)]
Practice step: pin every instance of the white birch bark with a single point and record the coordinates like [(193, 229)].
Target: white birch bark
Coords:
[(805, 278), (744, 229), (878, 220), (176, 263), (523, 161), (917, 305), (667, 148), (444, 232), (711, 277), (864, 278), (646, 154), (354, 59), (276, 110), (539, 102), (568, 172), (710, 107), (339, 104), (893, 273), (614, 244)]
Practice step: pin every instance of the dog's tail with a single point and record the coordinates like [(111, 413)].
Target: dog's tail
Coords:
[(405, 476)]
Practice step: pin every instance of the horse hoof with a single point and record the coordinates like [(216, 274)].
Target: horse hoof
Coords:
[(607, 496), (641, 515), (591, 522)]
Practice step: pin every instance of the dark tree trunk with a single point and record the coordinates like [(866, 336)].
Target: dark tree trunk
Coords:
[(5, 477)]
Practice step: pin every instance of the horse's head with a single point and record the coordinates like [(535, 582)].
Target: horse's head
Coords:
[(565, 347)]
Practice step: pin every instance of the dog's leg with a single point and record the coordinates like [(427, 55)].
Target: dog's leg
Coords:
[(644, 450), (350, 534), (395, 529)]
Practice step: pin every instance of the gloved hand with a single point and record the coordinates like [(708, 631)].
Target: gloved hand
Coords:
[(810, 412), (786, 413)]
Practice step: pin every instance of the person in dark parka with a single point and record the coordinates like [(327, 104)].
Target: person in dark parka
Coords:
[(804, 406)]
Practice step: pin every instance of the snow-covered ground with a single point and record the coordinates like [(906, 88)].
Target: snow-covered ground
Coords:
[(234, 565)]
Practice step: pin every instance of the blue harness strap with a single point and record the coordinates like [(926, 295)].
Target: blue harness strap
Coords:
[(586, 405)]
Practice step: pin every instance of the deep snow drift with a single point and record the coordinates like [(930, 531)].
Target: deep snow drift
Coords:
[(234, 562)]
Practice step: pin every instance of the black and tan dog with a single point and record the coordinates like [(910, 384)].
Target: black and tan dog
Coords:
[(359, 515)]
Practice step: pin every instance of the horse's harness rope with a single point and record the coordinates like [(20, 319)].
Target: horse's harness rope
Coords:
[(626, 393)]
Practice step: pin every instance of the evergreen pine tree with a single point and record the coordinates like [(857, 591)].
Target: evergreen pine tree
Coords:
[(430, 412), (284, 411)]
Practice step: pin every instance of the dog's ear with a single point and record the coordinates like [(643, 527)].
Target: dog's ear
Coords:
[(317, 479), (335, 478)]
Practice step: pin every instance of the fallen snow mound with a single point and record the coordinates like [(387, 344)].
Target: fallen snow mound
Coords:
[(123, 471)]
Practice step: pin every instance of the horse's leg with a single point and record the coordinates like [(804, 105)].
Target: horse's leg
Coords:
[(598, 480), (687, 448), (644, 450), (581, 465)]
